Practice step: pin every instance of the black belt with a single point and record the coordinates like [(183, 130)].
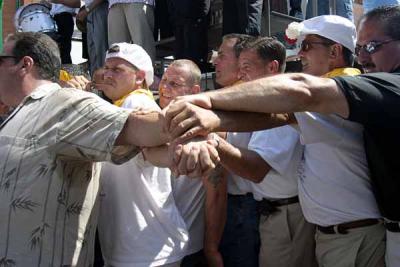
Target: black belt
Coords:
[(343, 227), (240, 196), (266, 207), (392, 226)]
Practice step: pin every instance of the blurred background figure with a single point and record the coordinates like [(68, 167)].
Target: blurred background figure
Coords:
[(242, 16), (63, 12), (94, 14), (190, 21), (132, 21)]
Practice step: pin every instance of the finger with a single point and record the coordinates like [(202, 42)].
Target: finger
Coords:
[(193, 158), (205, 161), (171, 111), (193, 132), (179, 118), (183, 160), (177, 152)]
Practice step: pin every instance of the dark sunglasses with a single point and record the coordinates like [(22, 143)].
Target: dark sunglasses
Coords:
[(371, 47), (307, 45)]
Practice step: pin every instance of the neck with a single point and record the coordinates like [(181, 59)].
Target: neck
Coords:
[(25, 89)]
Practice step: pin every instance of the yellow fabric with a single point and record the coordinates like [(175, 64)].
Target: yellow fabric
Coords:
[(64, 76), (342, 72), (120, 101)]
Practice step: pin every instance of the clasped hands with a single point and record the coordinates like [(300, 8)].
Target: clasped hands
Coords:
[(190, 123)]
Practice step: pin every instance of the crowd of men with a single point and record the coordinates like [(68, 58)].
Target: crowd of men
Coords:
[(273, 169)]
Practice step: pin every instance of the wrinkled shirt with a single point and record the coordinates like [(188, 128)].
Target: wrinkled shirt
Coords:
[(48, 178)]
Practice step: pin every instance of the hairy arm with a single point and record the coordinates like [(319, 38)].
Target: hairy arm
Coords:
[(192, 120), (286, 93), (143, 130)]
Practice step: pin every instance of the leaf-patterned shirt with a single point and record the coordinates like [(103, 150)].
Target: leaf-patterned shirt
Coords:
[(48, 175)]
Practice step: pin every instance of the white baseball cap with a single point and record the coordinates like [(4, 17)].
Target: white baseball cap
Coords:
[(135, 55), (335, 28)]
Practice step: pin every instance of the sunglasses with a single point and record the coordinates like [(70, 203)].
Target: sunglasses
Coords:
[(371, 47), (307, 45)]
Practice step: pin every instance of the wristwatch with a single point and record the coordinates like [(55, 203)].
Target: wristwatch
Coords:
[(87, 9)]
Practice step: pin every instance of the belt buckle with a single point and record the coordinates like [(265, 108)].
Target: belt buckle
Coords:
[(338, 229)]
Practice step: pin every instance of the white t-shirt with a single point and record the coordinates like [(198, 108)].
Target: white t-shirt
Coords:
[(334, 184), (139, 223), (236, 184), (281, 149), (190, 197)]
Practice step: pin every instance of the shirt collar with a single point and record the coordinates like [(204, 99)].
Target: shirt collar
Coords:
[(44, 90)]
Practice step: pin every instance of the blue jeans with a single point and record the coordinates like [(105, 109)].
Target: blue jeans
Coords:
[(368, 5), (240, 244), (344, 8)]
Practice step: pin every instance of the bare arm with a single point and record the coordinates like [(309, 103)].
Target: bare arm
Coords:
[(285, 93), (215, 217), (193, 120), (143, 130), (243, 162)]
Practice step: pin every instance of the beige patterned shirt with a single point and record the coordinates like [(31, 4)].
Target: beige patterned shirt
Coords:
[(48, 178)]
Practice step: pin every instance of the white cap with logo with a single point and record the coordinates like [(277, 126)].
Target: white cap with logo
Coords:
[(335, 28), (135, 55)]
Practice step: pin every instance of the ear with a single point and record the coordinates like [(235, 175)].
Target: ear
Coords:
[(26, 64), (196, 89), (140, 77), (336, 51), (273, 67)]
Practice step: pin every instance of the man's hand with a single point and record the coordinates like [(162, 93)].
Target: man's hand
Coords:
[(196, 158), (186, 120), (82, 14), (78, 82)]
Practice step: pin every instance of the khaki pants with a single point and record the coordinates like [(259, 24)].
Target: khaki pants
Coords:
[(287, 239), (132, 22), (392, 249), (363, 247)]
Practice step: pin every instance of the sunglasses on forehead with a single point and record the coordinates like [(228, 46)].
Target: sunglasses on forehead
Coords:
[(372, 46), (308, 45)]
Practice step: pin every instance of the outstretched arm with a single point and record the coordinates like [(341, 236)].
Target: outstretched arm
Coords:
[(285, 93)]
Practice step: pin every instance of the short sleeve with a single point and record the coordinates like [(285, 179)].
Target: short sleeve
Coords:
[(373, 98), (87, 127)]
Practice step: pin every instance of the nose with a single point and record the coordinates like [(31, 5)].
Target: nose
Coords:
[(363, 57), (107, 74)]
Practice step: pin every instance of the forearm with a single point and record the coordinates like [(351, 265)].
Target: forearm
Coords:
[(231, 121), (143, 130), (285, 93), (215, 212), (243, 162)]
